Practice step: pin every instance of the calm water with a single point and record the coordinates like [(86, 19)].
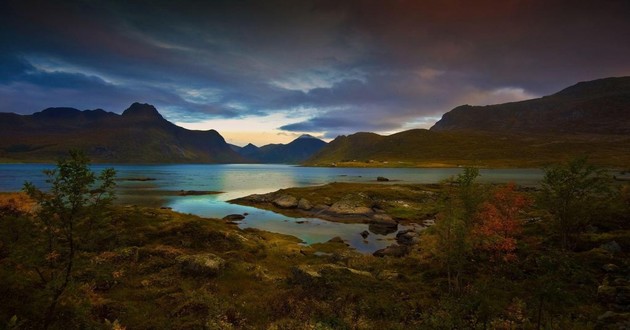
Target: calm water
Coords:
[(237, 180)]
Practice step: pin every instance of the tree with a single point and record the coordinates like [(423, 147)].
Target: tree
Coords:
[(448, 241), (469, 193), (572, 193), (76, 198), (498, 222)]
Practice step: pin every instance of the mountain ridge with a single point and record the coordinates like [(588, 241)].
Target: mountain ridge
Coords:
[(599, 106), (139, 134), (589, 118)]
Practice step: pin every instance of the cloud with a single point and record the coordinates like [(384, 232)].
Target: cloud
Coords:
[(345, 65)]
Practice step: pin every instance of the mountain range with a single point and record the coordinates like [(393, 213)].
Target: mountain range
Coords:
[(139, 135), (295, 152), (590, 118)]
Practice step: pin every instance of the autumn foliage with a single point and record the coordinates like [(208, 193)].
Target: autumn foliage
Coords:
[(498, 222)]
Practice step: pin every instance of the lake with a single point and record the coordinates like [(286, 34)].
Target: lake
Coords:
[(238, 180)]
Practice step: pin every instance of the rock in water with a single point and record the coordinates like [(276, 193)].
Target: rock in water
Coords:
[(234, 217)]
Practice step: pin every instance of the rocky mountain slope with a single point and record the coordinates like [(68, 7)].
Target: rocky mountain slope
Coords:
[(139, 135), (593, 107), (590, 118)]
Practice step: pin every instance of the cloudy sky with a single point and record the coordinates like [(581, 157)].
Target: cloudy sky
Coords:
[(266, 71)]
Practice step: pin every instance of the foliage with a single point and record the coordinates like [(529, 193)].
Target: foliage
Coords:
[(572, 193), (68, 211), (499, 222), (449, 240)]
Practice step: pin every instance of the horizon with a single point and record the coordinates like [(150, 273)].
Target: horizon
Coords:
[(269, 72)]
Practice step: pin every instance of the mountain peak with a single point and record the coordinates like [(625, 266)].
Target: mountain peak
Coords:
[(142, 110), (306, 136)]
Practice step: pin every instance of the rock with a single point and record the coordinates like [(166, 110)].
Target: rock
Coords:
[(166, 208), (612, 247), (234, 217), (428, 222), (382, 229), (382, 179), (407, 237), (365, 234), (205, 264), (286, 202), (337, 239), (349, 208), (304, 204), (383, 220), (259, 198), (393, 250), (382, 224)]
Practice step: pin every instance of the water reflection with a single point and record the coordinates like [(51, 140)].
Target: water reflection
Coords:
[(237, 180)]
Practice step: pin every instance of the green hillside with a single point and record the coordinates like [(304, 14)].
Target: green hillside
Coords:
[(424, 148)]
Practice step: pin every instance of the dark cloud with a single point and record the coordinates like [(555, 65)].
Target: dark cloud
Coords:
[(357, 65)]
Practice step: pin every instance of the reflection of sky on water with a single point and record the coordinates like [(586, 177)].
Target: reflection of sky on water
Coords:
[(238, 180), (310, 230)]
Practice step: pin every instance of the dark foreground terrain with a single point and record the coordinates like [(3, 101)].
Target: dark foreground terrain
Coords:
[(494, 259)]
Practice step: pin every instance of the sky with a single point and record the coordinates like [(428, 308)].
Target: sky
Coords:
[(269, 71)]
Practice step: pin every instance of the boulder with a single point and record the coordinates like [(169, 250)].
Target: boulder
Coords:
[(382, 224), (407, 237), (349, 208), (336, 239), (234, 217), (393, 250), (365, 234), (382, 179), (205, 264), (383, 220), (304, 204), (286, 202), (382, 229)]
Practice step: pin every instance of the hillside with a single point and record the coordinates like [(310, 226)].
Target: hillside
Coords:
[(424, 148), (294, 152), (593, 107), (589, 118), (139, 135)]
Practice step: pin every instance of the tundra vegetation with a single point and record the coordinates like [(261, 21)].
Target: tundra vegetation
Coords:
[(497, 257)]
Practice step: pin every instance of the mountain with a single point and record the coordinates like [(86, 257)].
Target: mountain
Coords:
[(593, 107), (294, 152), (590, 118), (139, 135)]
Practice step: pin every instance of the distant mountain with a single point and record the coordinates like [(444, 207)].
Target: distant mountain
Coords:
[(594, 107), (139, 135), (590, 118), (294, 152)]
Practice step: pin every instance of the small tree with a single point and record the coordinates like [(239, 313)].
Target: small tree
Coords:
[(76, 198), (469, 193), (498, 222), (572, 193)]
